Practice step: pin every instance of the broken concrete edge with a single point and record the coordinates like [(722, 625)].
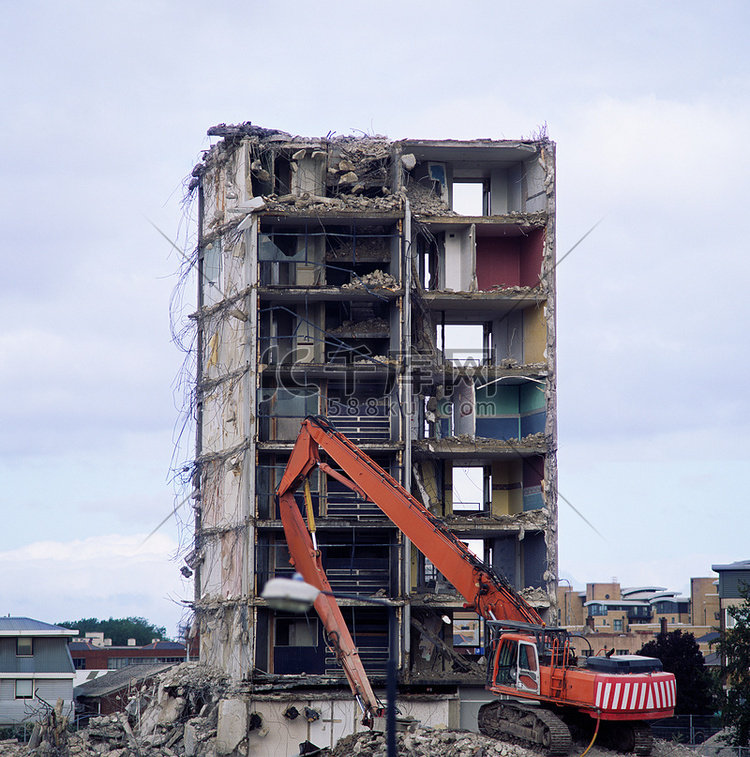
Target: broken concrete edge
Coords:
[(350, 165)]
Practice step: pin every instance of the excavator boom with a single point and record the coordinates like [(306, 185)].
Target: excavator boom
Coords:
[(306, 559), (486, 592)]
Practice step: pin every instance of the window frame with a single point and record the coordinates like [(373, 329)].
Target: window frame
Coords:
[(19, 640), (26, 681)]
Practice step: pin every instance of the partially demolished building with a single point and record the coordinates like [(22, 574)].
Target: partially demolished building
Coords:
[(340, 277)]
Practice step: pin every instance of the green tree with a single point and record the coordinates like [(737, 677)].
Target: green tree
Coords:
[(119, 629), (680, 654), (734, 648)]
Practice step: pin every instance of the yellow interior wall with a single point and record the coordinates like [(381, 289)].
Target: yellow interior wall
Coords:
[(506, 501), (534, 335)]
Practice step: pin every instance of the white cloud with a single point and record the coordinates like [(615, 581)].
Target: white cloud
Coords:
[(657, 155), (97, 576), (105, 115)]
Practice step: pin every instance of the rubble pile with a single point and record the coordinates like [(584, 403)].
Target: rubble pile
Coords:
[(364, 164), (320, 205), (424, 202), (365, 248), (369, 326), (429, 742), (176, 713), (377, 279), (534, 594), (370, 359), (530, 439), (512, 289)]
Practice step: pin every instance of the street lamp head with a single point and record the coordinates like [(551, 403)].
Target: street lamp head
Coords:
[(290, 594)]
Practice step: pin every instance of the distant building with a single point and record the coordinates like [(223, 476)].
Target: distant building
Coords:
[(624, 619), (35, 668), (88, 654), (704, 602), (734, 578)]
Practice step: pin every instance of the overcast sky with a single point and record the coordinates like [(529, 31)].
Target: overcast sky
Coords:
[(104, 112)]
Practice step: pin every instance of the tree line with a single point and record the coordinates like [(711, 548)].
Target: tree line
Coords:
[(119, 629)]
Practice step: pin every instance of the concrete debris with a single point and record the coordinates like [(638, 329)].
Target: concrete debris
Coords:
[(374, 359), (50, 734), (509, 362), (176, 713), (506, 289), (378, 279), (531, 439), (367, 158), (190, 710), (534, 595), (425, 202), (369, 326), (362, 249), (246, 129), (341, 203), (429, 742), (409, 161)]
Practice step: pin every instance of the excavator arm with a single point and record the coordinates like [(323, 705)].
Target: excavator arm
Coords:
[(485, 591), (306, 559)]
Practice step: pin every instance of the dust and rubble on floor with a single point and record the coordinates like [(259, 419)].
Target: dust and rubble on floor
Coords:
[(432, 742), (177, 714)]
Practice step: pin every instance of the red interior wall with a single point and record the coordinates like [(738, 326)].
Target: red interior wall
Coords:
[(530, 258)]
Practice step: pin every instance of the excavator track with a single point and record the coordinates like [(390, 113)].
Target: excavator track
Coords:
[(534, 725), (632, 736), (644, 739)]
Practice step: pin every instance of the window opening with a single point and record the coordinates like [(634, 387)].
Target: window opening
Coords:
[(465, 344), (282, 174), (476, 547), (467, 632), (469, 198), (470, 489), (296, 632)]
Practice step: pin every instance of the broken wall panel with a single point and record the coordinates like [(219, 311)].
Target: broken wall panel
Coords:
[(508, 337), (533, 476), (460, 260)]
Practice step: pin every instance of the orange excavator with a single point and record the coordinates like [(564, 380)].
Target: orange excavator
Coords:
[(541, 691)]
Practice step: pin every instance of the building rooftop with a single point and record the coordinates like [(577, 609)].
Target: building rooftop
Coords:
[(80, 645), (119, 679), (10, 626), (739, 565)]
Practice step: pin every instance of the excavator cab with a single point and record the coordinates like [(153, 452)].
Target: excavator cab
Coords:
[(515, 664)]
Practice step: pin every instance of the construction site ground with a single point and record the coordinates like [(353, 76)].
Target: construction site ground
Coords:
[(177, 714)]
